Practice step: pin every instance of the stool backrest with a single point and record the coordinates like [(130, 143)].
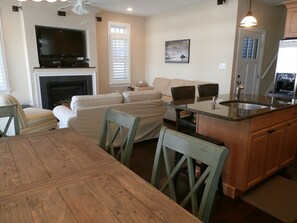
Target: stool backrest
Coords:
[(206, 90)]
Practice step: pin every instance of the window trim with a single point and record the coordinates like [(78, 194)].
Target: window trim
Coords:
[(6, 89), (112, 81)]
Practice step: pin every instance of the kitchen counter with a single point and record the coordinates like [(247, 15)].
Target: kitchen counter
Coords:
[(260, 141), (206, 106)]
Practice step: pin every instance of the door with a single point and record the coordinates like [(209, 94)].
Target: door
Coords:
[(249, 59)]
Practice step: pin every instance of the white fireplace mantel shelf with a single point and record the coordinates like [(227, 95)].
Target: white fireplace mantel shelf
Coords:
[(45, 72)]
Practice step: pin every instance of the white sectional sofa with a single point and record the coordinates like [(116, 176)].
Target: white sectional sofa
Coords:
[(86, 113), (165, 84)]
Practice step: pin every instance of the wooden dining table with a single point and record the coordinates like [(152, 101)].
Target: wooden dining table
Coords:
[(62, 176)]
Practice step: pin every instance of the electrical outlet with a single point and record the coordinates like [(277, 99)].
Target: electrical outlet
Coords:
[(222, 66)]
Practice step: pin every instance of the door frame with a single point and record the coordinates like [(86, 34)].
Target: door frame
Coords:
[(262, 32)]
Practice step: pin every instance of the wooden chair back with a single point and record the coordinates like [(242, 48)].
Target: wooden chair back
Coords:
[(203, 188), (118, 133), (9, 115)]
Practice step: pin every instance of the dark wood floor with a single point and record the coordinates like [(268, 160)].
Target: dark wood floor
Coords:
[(225, 209)]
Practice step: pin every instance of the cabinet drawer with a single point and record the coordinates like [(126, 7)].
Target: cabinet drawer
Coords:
[(292, 112), (273, 118)]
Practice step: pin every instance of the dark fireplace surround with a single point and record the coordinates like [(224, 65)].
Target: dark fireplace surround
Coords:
[(57, 90)]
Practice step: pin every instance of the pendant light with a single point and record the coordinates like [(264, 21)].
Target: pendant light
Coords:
[(43, 0), (249, 20)]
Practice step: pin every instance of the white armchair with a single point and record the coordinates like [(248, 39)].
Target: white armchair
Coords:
[(30, 119)]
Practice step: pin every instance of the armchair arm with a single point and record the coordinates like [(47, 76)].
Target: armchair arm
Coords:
[(64, 114)]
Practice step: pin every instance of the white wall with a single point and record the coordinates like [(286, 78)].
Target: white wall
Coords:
[(14, 50), (20, 39), (211, 29), (137, 46)]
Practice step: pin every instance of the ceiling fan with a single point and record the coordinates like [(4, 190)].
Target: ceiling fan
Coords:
[(79, 7)]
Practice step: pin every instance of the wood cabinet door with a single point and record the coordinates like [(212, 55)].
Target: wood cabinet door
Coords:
[(274, 147), (291, 21), (289, 148), (256, 155)]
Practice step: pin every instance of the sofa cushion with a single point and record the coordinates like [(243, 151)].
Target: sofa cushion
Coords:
[(36, 116), (135, 96), (174, 83), (95, 100), (161, 84)]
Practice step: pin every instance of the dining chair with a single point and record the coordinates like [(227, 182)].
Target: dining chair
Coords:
[(118, 133), (207, 90), (184, 120), (9, 120), (192, 149)]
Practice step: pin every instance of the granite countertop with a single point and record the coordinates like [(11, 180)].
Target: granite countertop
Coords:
[(205, 105)]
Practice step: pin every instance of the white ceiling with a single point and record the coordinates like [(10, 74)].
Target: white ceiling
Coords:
[(143, 7), (151, 7)]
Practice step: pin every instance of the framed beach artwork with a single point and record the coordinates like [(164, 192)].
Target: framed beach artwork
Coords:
[(177, 51)]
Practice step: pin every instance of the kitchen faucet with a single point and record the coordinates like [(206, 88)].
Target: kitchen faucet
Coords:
[(239, 87)]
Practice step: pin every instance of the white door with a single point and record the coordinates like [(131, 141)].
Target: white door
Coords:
[(249, 59)]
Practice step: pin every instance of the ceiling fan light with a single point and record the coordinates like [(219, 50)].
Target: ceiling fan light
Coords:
[(80, 10), (37, 0), (51, 0)]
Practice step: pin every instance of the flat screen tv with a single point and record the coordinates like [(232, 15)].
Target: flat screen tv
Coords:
[(59, 47)]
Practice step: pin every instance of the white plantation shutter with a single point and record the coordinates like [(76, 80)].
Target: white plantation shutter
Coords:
[(119, 53), (3, 73)]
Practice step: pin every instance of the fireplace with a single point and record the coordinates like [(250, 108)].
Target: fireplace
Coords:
[(57, 90), (55, 86)]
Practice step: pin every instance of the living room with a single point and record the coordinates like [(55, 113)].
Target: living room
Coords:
[(202, 23), (212, 28)]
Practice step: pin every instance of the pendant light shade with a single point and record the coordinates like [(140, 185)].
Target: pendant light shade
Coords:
[(249, 20), (43, 0)]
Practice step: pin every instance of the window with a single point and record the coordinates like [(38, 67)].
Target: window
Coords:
[(250, 48), (3, 71), (119, 53)]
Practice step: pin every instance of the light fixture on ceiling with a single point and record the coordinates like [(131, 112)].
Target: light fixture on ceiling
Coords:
[(80, 9), (44, 0), (249, 20)]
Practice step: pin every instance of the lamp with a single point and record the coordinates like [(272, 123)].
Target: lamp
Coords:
[(249, 20)]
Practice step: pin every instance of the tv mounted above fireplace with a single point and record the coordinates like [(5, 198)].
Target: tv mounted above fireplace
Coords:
[(60, 47)]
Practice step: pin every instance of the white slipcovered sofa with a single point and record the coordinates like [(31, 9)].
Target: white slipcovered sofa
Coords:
[(165, 84), (86, 113)]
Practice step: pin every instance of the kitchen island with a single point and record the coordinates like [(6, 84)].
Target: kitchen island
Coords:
[(260, 133)]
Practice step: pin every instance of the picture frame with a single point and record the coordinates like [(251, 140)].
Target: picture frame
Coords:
[(177, 51)]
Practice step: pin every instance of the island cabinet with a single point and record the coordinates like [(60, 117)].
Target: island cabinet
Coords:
[(291, 20), (263, 155), (290, 143), (258, 146)]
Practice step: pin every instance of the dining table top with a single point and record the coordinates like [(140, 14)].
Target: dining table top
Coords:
[(62, 176)]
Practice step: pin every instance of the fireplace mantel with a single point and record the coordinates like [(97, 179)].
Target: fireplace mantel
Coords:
[(47, 72)]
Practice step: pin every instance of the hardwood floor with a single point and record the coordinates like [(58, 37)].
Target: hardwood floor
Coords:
[(225, 209)]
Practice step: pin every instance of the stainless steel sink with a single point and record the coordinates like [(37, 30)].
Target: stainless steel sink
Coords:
[(244, 105)]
